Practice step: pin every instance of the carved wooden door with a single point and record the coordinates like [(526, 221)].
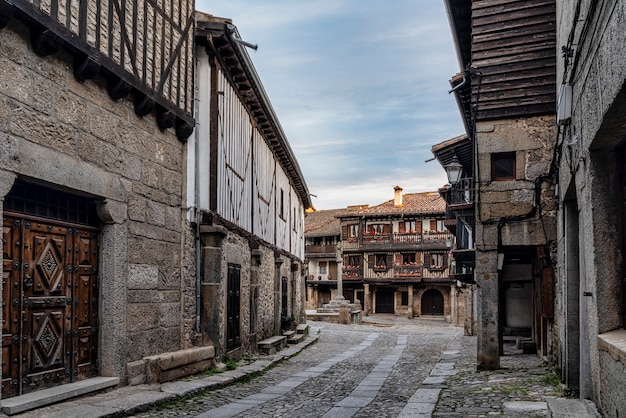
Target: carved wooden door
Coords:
[(50, 304)]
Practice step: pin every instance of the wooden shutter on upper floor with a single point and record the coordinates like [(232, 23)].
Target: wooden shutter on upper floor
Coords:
[(344, 232), (427, 260), (433, 224), (401, 227), (418, 226), (371, 261)]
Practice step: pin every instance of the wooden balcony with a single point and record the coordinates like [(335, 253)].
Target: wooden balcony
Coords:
[(434, 239), (328, 250), (407, 270)]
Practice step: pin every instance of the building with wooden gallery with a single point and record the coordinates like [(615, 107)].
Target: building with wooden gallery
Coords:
[(393, 258)]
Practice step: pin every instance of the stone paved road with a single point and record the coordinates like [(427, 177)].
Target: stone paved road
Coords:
[(367, 370), (396, 368)]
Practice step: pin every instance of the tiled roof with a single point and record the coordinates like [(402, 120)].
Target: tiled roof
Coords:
[(322, 223), (426, 203)]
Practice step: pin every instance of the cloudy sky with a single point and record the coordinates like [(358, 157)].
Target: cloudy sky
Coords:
[(360, 88)]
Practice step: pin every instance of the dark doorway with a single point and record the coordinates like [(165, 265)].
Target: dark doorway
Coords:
[(384, 300), (432, 302), (233, 300)]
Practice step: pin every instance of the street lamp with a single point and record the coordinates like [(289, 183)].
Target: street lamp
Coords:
[(454, 170)]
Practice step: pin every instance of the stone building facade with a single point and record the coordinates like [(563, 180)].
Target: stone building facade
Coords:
[(506, 94), (590, 348), (96, 247)]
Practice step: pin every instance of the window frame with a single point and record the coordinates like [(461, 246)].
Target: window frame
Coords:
[(503, 157)]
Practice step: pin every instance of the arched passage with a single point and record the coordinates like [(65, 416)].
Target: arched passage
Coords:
[(432, 302)]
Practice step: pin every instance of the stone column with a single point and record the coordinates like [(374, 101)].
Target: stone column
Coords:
[(339, 280), (410, 313), (255, 263), (114, 289), (211, 239), (366, 297), (488, 300), (278, 262)]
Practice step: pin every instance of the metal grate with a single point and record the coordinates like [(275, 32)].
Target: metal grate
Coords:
[(37, 200)]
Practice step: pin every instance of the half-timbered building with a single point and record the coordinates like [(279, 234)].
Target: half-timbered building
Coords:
[(393, 258), (506, 93), (96, 103), (247, 195), (322, 238)]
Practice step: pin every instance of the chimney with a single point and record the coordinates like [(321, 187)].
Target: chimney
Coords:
[(397, 196)]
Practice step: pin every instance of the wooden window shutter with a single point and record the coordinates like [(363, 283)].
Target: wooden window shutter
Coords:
[(389, 260), (344, 232), (399, 258), (418, 226), (427, 260), (433, 224), (445, 260), (387, 229), (401, 228), (346, 260), (371, 261)]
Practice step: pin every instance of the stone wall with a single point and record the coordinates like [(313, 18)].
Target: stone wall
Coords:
[(262, 269), (70, 134)]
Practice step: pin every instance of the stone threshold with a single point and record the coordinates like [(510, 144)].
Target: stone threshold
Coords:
[(38, 399)]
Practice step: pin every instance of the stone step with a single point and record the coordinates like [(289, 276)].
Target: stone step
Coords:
[(296, 338), (302, 329), (571, 408), (288, 333)]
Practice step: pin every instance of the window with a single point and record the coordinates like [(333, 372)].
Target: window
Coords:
[(282, 204), (409, 227), (436, 261), (354, 261), (353, 231), (408, 259), (381, 262), (323, 267), (503, 166), (378, 229)]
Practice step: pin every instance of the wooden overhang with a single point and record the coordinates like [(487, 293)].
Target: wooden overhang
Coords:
[(221, 39), (507, 52), (461, 147), (49, 34)]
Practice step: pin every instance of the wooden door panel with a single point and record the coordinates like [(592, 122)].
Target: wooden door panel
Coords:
[(47, 305), (10, 307)]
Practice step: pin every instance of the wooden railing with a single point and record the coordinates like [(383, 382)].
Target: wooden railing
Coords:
[(427, 236), (320, 249)]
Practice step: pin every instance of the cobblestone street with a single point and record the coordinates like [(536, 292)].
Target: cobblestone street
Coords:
[(417, 368)]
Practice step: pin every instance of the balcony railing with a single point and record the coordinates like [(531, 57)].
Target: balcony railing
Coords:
[(320, 249), (407, 270), (427, 236)]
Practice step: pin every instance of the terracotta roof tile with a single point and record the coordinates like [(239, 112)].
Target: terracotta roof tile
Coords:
[(322, 223), (426, 202)]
